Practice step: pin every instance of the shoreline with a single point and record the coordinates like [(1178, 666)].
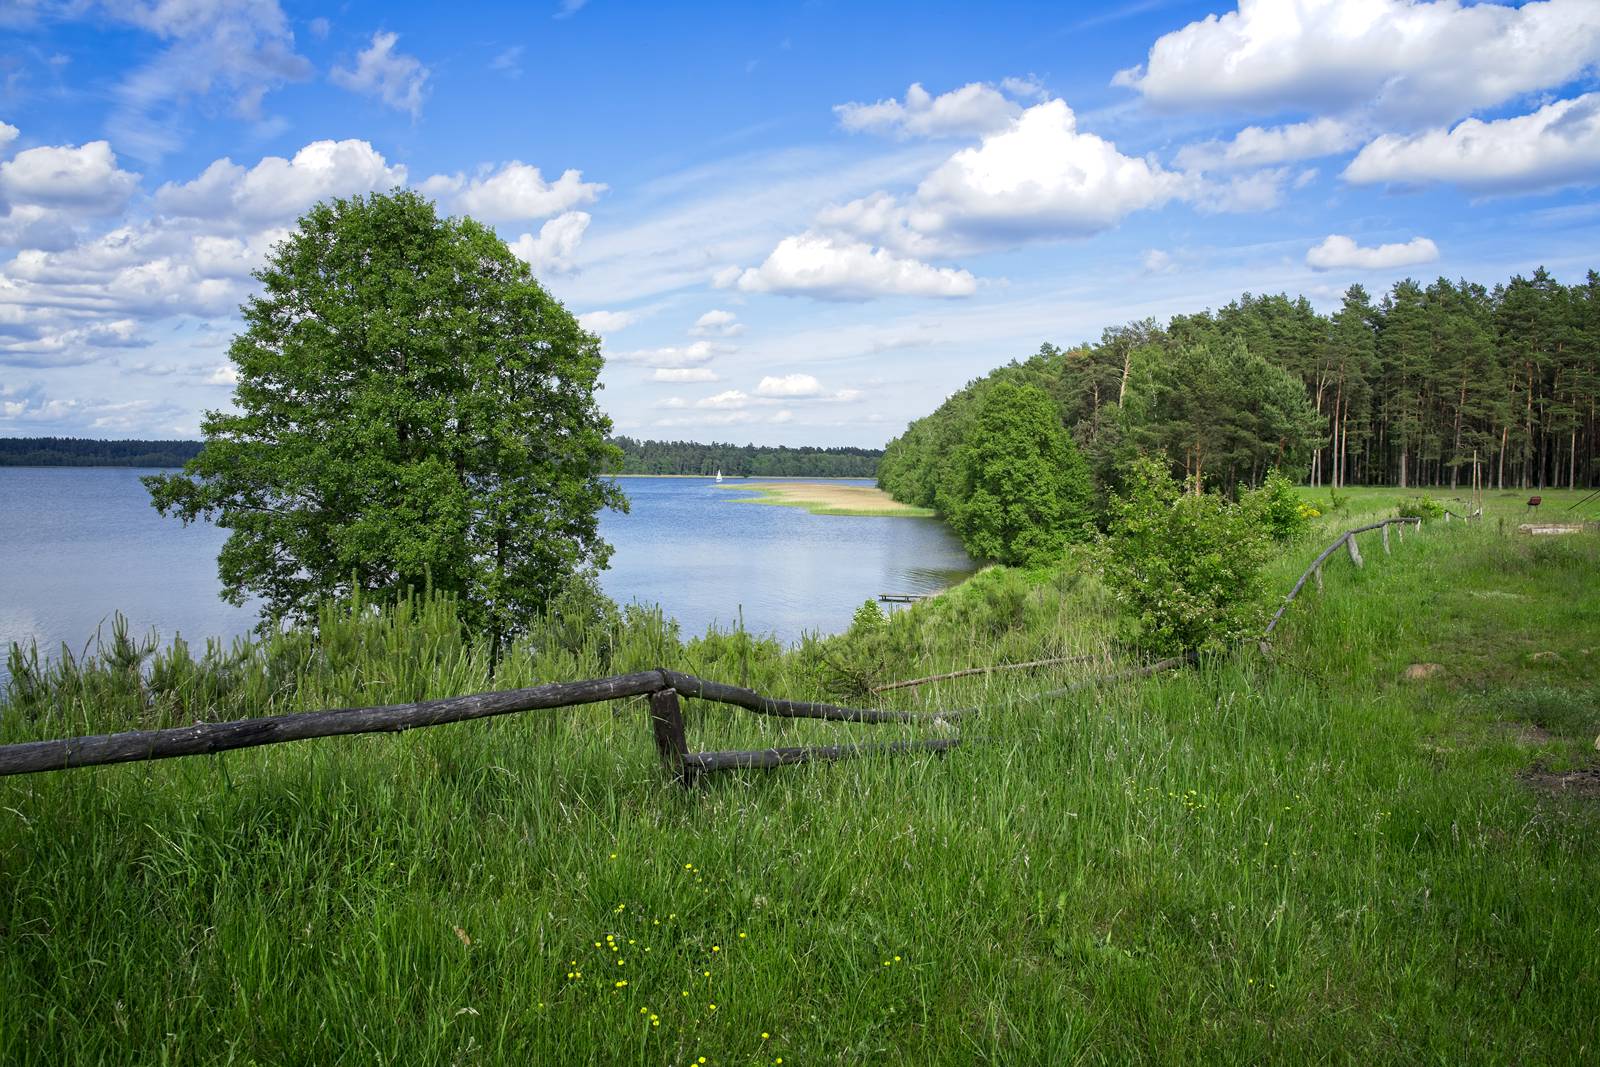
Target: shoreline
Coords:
[(830, 498)]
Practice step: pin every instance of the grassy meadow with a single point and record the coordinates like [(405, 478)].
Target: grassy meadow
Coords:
[(1304, 858)]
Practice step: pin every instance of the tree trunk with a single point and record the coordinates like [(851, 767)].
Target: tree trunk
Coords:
[(1527, 451), (1500, 461)]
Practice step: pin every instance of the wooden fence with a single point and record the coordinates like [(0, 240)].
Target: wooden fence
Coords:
[(1348, 541), (663, 687)]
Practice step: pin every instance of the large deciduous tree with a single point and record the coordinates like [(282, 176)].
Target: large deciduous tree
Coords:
[(412, 406), (1021, 488)]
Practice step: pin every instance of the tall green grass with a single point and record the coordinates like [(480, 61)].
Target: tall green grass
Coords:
[(1301, 858)]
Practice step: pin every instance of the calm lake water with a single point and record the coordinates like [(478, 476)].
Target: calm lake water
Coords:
[(77, 544)]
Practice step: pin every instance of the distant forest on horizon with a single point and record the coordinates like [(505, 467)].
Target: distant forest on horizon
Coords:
[(89, 452), (745, 461), (638, 457)]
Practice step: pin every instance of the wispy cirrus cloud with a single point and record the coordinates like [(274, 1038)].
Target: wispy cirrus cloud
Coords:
[(384, 72)]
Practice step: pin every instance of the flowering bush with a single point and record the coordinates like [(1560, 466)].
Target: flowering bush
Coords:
[(1277, 507), (1188, 567)]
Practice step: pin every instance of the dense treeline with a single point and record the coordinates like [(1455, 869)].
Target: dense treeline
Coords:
[(688, 457), (79, 452), (639, 457), (1427, 385)]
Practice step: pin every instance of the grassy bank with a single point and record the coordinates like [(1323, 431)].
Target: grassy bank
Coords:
[(827, 499), (1301, 859)]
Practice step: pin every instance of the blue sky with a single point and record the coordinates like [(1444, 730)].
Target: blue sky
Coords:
[(802, 223)]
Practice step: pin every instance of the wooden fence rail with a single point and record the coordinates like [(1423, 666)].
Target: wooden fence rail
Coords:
[(666, 718), (1347, 540)]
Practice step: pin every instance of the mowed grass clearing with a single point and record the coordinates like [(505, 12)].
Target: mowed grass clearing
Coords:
[(1298, 859)]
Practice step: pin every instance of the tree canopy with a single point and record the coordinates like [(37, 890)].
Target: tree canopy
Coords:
[(412, 408), (1410, 388), (1021, 491)]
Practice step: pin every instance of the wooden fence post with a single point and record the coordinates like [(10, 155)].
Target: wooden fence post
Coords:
[(1401, 529), (1385, 539), (1318, 574), (666, 721), (1355, 553)]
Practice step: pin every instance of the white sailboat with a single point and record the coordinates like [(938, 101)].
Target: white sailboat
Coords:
[(719, 477)]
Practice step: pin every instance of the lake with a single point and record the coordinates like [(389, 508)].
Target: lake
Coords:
[(79, 543)]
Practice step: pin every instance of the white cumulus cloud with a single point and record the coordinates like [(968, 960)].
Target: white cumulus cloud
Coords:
[(604, 322), (968, 111), (82, 178), (553, 251), (1256, 146), (515, 192), (789, 385), (1039, 177), (717, 323), (278, 189), (818, 265), (732, 399), (395, 78), (1338, 252), (1555, 146), (1412, 59)]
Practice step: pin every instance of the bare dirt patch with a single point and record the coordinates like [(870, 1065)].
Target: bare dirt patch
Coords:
[(1421, 671), (1583, 783), (1524, 733)]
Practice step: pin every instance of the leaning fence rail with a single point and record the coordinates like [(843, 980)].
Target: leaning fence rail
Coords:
[(663, 687), (1346, 540)]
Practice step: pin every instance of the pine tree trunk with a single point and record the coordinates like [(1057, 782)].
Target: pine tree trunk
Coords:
[(1500, 461)]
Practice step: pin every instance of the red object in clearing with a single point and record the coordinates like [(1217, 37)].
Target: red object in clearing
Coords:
[(1533, 501)]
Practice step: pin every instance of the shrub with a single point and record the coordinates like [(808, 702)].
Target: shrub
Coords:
[(1278, 509), (868, 619), (1421, 507), (1188, 567)]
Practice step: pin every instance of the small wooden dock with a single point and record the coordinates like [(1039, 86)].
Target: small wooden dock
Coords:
[(902, 598)]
